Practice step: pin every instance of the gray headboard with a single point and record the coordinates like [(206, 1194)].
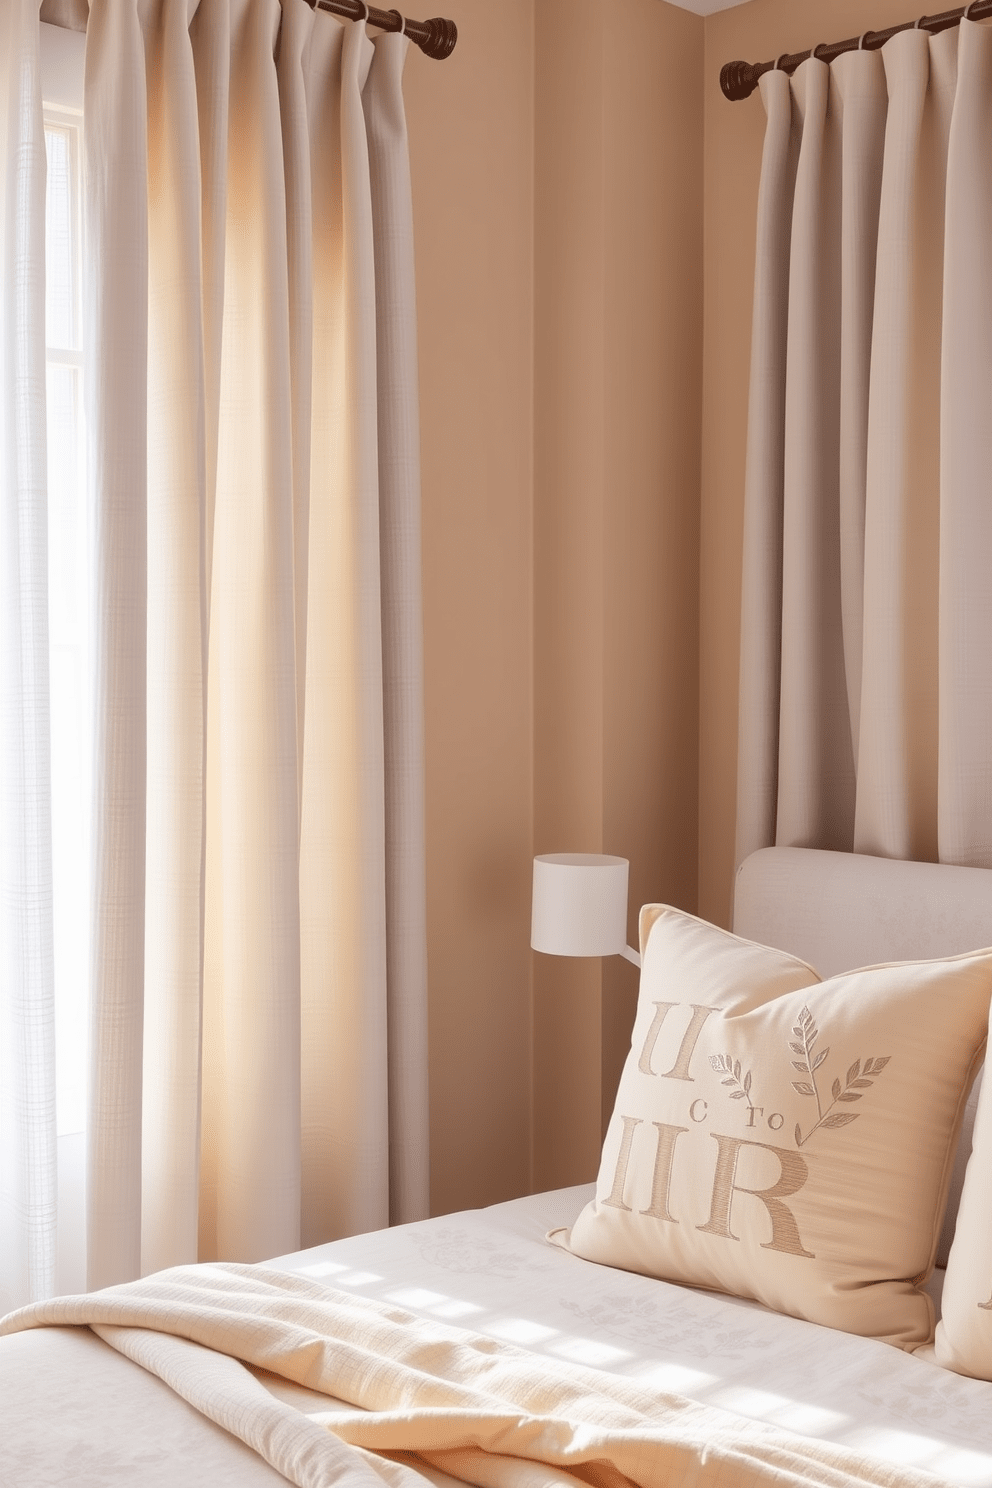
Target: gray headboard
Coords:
[(842, 910)]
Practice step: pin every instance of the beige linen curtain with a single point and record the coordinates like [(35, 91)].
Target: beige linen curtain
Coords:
[(27, 1020), (866, 646), (258, 1059)]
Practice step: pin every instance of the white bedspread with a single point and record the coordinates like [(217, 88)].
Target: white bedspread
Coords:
[(422, 1391), (490, 1271)]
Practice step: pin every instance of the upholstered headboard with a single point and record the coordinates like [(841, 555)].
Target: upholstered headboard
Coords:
[(842, 910)]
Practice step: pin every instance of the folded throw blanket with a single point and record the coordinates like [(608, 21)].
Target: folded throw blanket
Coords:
[(485, 1411)]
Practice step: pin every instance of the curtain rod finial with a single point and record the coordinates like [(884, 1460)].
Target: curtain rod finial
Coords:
[(440, 40), (739, 80)]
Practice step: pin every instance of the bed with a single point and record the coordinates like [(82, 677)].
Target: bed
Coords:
[(764, 1397)]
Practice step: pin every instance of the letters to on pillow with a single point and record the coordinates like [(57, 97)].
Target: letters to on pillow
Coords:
[(964, 1333), (785, 1138)]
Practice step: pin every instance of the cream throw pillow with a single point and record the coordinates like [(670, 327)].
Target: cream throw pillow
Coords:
[(964, 1333), (784, 1138)]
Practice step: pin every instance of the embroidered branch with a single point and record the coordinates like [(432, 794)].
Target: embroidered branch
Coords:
[(860, 1077), (726, 1065)]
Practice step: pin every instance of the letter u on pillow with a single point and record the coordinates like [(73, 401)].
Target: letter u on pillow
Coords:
[(785, 1138)]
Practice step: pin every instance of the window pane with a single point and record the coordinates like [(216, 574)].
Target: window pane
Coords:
[(60, 299), (69, 657)]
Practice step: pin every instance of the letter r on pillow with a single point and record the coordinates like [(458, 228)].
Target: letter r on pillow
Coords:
[(794, 1172)]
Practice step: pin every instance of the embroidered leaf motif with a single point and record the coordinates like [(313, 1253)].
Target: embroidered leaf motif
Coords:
[(730, 1068), (860, 1076)]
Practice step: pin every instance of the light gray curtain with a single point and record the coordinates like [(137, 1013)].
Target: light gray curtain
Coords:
[(866, 640), (258, 1058)]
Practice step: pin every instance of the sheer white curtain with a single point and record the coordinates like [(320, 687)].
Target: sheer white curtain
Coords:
[(866, 658), (258, 1026), (27, 1028)]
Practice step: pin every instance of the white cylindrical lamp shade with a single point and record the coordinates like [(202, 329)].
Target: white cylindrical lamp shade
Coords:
[(579, 905)]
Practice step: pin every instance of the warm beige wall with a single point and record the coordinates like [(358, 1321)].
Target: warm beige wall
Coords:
[(564, 160), (618, 307), (558, 198), (471, 136), (733, 136)]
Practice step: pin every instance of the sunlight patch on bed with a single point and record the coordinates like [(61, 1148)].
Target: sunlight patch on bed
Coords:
[(519, 1330), (765, 1405), (320, 1268), (588, 1351), (957, 1464), (674, 1379), (343, 1275), (453, 1308), (418, 1297), (808, 1420)]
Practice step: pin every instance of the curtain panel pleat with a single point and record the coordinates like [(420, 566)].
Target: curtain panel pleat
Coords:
[(27, 1009), (866, 672), (259, 986)]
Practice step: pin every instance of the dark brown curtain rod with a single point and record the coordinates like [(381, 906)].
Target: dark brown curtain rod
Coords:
[(435, 37), (739, 79)]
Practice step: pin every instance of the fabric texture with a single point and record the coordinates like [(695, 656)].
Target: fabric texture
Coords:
[(770, 1135), (865, 697), (259, 906), (75, 1404), (482, 1410), (838, 910), (27, 1008), (964, 1333)]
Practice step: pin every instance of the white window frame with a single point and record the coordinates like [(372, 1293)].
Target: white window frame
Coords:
[(62, 67)]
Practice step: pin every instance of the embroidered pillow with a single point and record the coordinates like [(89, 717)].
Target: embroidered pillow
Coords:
[(785, 1138), (964, 1333)]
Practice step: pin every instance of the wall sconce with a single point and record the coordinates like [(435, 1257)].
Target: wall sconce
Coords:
[(579, 906)]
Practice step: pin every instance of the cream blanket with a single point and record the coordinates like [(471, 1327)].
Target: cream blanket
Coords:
[(486, 1412)]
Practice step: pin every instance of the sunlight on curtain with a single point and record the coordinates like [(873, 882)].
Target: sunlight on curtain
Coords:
[(232, 515), (257, 1077)]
